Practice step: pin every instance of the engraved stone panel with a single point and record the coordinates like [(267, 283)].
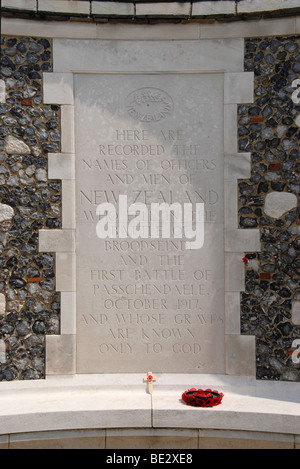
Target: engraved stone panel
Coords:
[(148, 298)]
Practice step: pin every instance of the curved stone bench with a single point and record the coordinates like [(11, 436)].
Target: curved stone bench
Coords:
[(115, 411)]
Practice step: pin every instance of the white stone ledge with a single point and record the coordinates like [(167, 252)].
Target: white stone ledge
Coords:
[(261, 6), (121, 401), (239, 413), (155, 32), (210, 9), (23, 5), (213, 8), (163, 9), (250, 28), (76, 7), (112, 9), (42, 28)]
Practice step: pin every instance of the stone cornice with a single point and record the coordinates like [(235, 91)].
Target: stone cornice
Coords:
[(149, 11)]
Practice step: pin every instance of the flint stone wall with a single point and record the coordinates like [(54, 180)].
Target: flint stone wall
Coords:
[(29, 130)]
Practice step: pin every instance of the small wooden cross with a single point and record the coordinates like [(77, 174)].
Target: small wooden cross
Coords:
[(150, 378)]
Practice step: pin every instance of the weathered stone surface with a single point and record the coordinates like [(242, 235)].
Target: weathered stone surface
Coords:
[(277, 203), (15, 146), (6, 212), (2, 304)]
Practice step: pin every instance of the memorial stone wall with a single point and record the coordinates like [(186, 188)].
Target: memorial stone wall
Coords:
[(268, 128)]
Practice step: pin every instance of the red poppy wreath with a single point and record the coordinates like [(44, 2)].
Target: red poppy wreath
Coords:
[(202, 398)]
